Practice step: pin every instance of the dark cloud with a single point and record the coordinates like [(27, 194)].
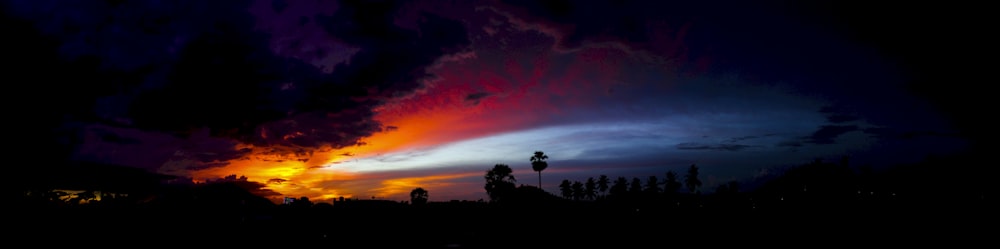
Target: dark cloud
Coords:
[(737, 139), (279, 5), (790, 143), (718, 147), (742, 138), (474, 98), (111, 137), (182, 67), (841, 118), (884, 132), (574, 24), (257, 188), (837, 114), (827, 133)]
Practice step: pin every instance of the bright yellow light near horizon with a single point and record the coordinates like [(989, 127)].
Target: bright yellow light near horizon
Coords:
[(335, 196), (402, 186)]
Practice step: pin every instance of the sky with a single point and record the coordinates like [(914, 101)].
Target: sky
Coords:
[(371, 99)]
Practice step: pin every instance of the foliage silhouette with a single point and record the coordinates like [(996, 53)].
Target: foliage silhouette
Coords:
[(603, 183), (418, 196), (566, 189), (652, 185), (691, 179), (578, 191), (499, 182), (635, 186), (538, 164), (670, 184), (620, 187), (590, 189)]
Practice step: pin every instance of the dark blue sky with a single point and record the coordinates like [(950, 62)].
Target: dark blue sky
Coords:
[(373, 98)]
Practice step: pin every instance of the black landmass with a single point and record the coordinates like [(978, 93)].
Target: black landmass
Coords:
[(939, 200)]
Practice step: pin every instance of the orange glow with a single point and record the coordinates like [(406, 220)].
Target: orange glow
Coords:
[(439, 114), (442, 117), (400, 187)]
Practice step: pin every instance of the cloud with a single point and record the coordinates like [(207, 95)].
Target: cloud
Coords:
[(883, 132), (651, 31), (474, 98), (790, 143), (718, 147), (841, 118), (181, 68), (750, 137), (827, 133), (837, 115)]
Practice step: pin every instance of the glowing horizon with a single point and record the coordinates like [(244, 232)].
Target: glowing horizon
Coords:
[(315, 100)]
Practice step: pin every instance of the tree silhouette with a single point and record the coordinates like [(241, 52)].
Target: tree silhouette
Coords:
[(652, 185), (691, 179), (671, 185), (578, 191), (620, 187), (590, 189), (602, 184), (635, 186), (499, 182), (566, 189), (418, 196), (538, 163)]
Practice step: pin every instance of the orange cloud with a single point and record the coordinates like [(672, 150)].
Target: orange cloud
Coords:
[(441, 113)]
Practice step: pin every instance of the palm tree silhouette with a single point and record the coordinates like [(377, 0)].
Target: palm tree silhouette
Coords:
[(620, 187), (691, 179), (538, 163), (652, 185), (602, 184), (590, 188), (566, 189), (671, 185), (578, 191), (635, 186)]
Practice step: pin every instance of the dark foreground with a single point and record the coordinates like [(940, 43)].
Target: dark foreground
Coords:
[(499, 227)]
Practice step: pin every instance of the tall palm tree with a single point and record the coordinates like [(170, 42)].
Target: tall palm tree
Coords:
[(578, 191), (499, 181), (590, 188), (691, 179), (671, 185), (566, 189), (620, 187), (603, 183), (635, 186), (538, 163), (652, 185)]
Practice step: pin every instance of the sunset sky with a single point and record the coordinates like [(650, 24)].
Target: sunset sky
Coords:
[(366, 99)]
